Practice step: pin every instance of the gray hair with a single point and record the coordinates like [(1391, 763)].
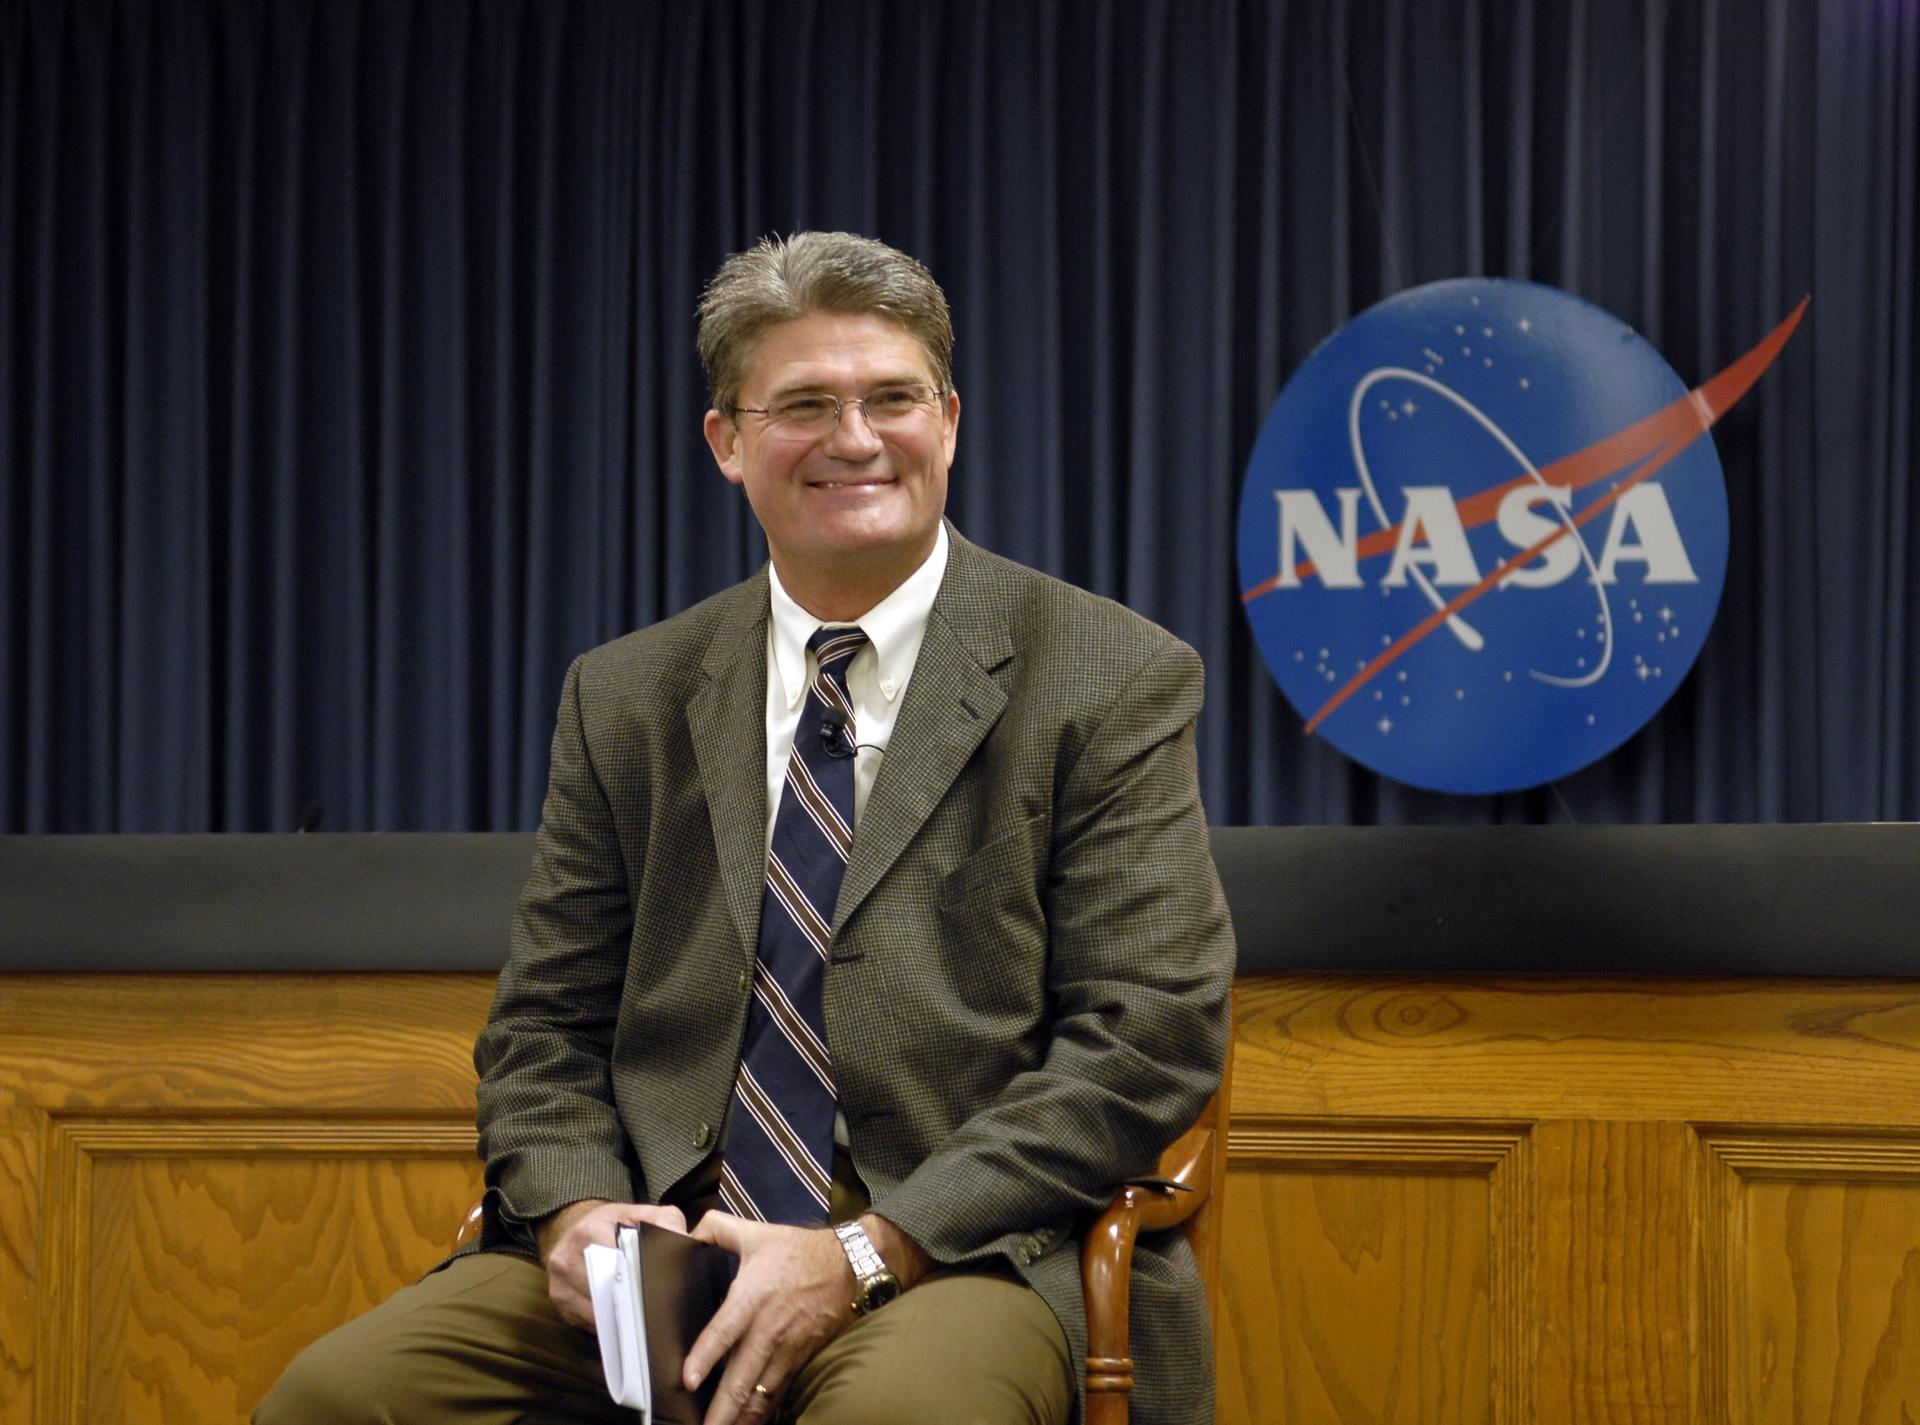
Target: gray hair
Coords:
[(778, 279)]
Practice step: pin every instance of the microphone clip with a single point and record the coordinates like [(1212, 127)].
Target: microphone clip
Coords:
[(836, 733)]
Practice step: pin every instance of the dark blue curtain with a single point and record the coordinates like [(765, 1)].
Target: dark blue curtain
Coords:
[(347, 385)]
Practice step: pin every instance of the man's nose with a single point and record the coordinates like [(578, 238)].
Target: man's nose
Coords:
[(853, 436)]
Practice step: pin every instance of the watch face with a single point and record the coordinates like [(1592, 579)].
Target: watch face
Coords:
[(878, 1291)]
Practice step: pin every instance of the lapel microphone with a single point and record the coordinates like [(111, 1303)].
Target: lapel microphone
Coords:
[(836, 735), (835, 738)]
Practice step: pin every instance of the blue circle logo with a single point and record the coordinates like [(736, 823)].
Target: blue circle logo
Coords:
[(1481, 540)]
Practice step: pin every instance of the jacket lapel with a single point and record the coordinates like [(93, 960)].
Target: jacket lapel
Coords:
[(951, 705), (728, 722)]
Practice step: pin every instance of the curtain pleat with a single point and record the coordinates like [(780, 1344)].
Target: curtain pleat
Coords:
[(348, 389)]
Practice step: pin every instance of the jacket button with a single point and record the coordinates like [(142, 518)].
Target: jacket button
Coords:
[(702, 1136)]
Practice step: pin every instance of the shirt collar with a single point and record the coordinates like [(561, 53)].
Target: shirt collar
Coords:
[(894, 626)]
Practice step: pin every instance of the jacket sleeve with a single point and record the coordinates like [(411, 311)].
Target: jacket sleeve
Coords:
[(548, 1127), (1140, 960)]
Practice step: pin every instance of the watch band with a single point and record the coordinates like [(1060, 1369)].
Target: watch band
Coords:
[(874, 1281)]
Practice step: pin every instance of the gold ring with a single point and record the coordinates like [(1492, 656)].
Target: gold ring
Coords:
[(763, 1392)]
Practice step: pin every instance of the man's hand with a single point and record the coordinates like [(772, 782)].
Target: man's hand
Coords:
[(794, 1293), (563, 1247)]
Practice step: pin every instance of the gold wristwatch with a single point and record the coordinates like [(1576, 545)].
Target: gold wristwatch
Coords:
[(874, 1282)]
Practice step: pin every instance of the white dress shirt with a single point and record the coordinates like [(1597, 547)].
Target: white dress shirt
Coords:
[(876, 678)]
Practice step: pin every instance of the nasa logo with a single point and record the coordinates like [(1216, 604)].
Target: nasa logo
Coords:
[(1481, 540)]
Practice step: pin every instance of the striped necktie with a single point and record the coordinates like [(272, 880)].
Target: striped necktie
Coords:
[(778, 1164)]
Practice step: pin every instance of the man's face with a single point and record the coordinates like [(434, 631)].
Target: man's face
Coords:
[(845, 502)]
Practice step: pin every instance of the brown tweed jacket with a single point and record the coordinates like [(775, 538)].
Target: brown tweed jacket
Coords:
[(1026, 992)]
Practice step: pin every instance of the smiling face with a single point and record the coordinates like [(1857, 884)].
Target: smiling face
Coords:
[(848, 513)]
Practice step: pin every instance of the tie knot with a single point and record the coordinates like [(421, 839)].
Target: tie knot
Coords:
[(833, 647)]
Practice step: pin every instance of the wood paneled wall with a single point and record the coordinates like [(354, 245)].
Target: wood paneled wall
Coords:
[(1569, 1202), (1459, 1200), (200, 1174)]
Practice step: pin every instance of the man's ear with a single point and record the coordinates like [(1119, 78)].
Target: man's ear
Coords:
[(950, 418), (723, 439)]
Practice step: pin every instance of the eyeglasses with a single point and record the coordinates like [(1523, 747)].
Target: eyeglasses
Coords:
[(815, 412)]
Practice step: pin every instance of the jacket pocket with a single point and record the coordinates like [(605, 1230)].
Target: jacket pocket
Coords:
[(1008, 871)]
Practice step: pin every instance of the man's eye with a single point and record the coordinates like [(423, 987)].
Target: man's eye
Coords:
[(804, 408), (895, 399)]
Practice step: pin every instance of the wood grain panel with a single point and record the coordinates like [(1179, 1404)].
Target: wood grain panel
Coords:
[(60, 1277), (1447, 1200), (1374, 1272), (1817, 1242), (1618, 1247), (210, 1275), (322, 1042), (197, 1256), (1841, 1052), (19, 1218), (259, 1071)]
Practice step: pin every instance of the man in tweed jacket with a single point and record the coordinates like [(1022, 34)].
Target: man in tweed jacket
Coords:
[(1029, 957)]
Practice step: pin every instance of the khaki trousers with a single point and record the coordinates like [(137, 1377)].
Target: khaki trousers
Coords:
[(479, 1341)]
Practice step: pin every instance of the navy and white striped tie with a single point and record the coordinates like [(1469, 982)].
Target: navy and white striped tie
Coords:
[(778, 1164)]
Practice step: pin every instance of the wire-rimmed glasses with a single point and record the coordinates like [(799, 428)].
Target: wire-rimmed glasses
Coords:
[(817, 412)]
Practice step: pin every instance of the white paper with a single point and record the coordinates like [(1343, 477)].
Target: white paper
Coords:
[(613, 1280)]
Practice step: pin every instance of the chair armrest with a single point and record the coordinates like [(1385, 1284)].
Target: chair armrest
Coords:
[(469, 1228), (1106, 1261)]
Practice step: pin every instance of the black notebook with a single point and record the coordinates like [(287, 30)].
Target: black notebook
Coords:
[(654, 1291)]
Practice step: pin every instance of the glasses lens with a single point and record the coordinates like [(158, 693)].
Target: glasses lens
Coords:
[(892, 404), (803, 412)]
